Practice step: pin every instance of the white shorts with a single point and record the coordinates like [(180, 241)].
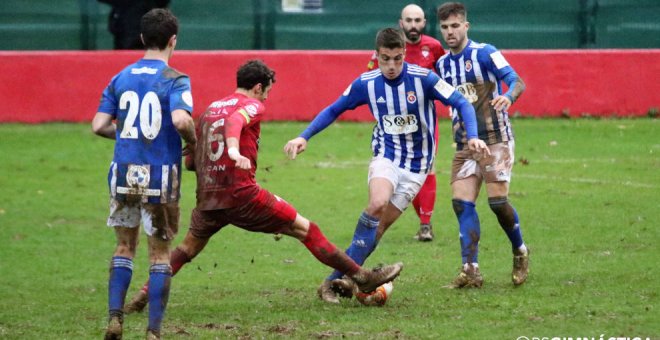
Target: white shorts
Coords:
[(406, 184), (160, 220)]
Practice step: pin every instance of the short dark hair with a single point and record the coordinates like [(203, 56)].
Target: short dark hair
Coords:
[(254, 72), (390, 38), (451, 8), (157, 27)]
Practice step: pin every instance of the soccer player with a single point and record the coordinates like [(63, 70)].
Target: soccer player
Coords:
[(225, 162), (151, 103), (477, 71), (400, 98), (424, 51)]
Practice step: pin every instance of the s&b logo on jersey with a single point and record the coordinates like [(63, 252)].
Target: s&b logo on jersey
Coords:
[(468, 91), (410, 97), (399, 124)]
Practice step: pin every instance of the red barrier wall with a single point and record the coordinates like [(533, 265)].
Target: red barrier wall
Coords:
[(40, 87)]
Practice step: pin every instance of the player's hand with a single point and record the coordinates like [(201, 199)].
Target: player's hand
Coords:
[(295, 146), (188, 149), (243, 163), (501, 103), (189, 162), (479, 146)]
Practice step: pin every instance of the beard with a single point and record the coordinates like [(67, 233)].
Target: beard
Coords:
[(413, 35)]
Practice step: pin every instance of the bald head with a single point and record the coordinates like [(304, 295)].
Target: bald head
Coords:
[(412, 10), (412, 22)]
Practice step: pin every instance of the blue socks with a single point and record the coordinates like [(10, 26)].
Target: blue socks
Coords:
[(364, 242), (470, 230), (160, 276), (507, 216), (121, 271), (515, 235)]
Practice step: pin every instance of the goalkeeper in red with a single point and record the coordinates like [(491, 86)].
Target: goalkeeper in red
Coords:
[(478, 71), (225, 162)]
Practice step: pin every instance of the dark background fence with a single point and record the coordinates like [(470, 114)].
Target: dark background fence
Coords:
[(341, 24)]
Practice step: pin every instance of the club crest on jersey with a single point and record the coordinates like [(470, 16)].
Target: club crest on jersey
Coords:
[(425, 51), (410, 96), (251, 109), (137, 176), (468, 65)]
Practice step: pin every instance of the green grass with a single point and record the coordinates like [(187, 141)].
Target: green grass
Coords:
[(588, 198)]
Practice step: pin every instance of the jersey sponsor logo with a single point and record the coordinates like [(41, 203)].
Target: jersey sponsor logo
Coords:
[(348, 90), (143, 70), (410, 97), (214, 168), (222, 103), (498, 60), (468, 91), (187, 98), (444, 89), (400, 124), (468, 65), (380, 100)]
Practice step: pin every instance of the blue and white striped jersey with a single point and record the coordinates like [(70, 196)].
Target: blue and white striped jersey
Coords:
[(147, 157), (477, 73), (403, 110)]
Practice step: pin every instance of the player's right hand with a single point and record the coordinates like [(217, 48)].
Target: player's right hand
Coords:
[(295, 146), (476, 144)]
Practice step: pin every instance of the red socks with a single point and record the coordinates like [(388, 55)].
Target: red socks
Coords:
[(327, 253), (424, 202)]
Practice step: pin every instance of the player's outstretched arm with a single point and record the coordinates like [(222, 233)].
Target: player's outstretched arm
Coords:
[(295, 146)]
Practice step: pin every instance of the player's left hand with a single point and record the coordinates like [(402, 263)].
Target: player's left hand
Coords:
[(501, 103)]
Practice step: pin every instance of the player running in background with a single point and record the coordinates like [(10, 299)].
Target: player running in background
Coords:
[(424, 51), (225, 162), (151, 103), (400, 97), (477, 71)]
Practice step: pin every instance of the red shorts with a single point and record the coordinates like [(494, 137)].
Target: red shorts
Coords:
[(265, 213)]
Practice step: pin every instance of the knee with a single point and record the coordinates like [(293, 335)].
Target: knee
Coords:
[(377, 206), (460, 206), (126, 249), (499, 205)]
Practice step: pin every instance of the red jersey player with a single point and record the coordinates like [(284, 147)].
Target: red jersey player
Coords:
[(225, 162), (423, 51)]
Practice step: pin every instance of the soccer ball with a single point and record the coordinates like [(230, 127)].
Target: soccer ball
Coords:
[(376, 298)]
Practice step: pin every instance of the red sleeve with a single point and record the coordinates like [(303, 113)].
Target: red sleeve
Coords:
[(234, 124), (248, 114)]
